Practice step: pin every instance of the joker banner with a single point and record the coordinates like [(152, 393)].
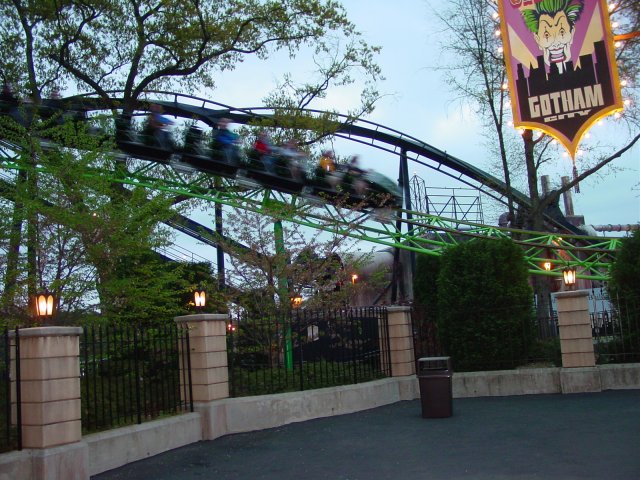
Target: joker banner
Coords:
[(561, 65)]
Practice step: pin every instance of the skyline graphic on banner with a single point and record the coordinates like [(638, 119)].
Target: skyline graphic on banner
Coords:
[(560, 64)]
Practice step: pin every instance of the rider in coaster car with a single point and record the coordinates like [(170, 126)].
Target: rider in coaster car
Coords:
[(292, 154), (327, 167), (354, 177), (226, 141), (156, 128), (264, 151)]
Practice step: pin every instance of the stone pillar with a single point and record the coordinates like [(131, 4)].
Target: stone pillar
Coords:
[(208, 355), (51, 409), (576, 341), (50, 386), (403, 360)]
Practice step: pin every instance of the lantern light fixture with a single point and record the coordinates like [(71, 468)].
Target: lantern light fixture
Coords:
[(45, 305), (200, 298), (569, 276), (296, 301)]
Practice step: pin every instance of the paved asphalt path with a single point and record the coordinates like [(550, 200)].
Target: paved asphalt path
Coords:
[(578, 436)]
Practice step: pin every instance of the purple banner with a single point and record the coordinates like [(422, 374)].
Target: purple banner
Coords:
[(561, 65)]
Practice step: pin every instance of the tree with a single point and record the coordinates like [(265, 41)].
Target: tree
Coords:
[(624, 291), (137, 45), (484, 305), (477, 73), (424, 281), (305, 264), (82, 241), (97, 46), (625, 271)]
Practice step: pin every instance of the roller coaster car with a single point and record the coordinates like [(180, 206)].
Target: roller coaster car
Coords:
[(51, 113), (277, 171), (24, 113), (375, 190), (382, 192), (143, 145), (212, 160)]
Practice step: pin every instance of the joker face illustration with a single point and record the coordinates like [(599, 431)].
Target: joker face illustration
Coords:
[(553, 25)]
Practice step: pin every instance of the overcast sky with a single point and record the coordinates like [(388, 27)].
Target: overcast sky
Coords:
[(420, 104)]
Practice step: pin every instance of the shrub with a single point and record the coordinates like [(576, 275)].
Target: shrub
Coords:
[(425, 291), (484, 305), (625, 271)]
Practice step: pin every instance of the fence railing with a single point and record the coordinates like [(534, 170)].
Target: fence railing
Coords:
[(307, 349), (615, 325), (131, 374), (542, 350), (10, 404)]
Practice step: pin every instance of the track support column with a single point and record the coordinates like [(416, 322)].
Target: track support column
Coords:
[(283, 292)]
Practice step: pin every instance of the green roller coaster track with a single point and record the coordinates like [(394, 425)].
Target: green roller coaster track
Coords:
[(404, 229), (426, 234)]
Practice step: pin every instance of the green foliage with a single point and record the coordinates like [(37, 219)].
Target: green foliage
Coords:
[(622, 349), (139, 45), (150, 289), (625, 271), (312, 375), (624, 288), (425, 288), (104, 232), (200, 275), (128, 374), (545, 351), (484, 305)]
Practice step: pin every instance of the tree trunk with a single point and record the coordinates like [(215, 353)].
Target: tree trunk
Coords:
[(32, 234), (534, 217), (13, 252), (535, 222)]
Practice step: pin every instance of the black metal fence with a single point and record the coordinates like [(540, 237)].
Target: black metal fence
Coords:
[(132, 374), (615, 325), (426, 342), (542, 351), (307, 349), (10, 404)]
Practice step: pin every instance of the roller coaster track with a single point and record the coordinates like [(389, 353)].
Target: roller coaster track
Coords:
[(404, 229)]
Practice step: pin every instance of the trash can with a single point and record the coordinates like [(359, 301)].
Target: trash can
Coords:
[(436, 390)]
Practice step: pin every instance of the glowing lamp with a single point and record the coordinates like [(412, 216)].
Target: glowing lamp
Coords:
[(200, 298), (547, 266), (45, 302), (569, 276), (354, 278), (296, 301)]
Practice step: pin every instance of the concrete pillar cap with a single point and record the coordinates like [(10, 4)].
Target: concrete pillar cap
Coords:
[(47, 332), (202, 317), (572, 294), (398, 308)]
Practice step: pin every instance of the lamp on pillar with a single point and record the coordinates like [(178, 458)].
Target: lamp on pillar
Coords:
[(569, 276), (296, 301), (45, 305), (199, 298)]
